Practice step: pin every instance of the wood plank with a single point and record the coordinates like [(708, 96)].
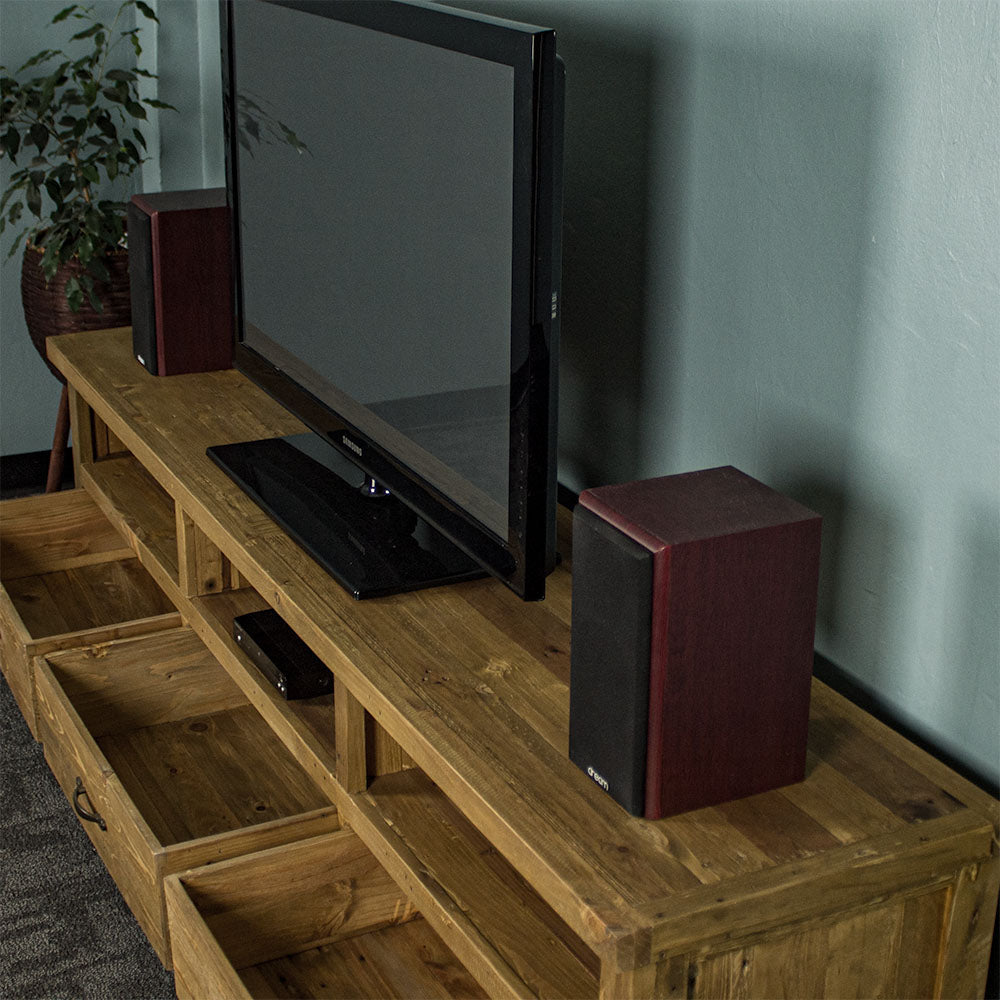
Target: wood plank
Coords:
[(294, 897), (537, 627), (481, 884), (352, 769), (86, 597), (828, 703), (778, 828), (201, 851), (210, 774), (919, 951), (405, 962), (383, 754), (893, 782), (969, 929), (81, 431), (201, 967), (143, 681), (838, 805), (203, 568), (840, 880), (131, 499), (53, 532)]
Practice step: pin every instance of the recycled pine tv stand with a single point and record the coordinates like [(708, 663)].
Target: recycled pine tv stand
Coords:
[(443, 751)]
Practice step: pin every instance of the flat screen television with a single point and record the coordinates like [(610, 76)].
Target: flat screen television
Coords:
[(394, 184)]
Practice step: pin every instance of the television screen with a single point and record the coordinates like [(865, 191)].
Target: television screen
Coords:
[(393, 181)]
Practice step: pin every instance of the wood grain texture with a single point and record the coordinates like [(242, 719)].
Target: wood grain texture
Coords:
[(182, 769), (60, 531), (478, 704), (132, 500), (68, 580), (81, 432), (458, 876), (405, 962), (295, 897)]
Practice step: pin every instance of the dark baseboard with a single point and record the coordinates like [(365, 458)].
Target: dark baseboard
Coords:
[(26, 473)]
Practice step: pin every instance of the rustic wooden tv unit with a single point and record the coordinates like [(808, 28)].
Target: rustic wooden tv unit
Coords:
[(421, 831)]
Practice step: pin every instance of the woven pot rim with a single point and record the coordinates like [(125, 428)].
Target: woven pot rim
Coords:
[(46, 311)]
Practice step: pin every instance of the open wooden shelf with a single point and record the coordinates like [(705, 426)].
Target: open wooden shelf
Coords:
[(141, 510)]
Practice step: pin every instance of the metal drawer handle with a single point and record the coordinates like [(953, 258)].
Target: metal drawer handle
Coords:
[(90, 816)]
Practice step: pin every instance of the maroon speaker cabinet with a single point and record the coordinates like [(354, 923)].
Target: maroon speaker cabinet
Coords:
[(180, 274), (694, 611)]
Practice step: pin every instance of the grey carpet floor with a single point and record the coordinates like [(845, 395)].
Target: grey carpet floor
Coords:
[(65, 931)]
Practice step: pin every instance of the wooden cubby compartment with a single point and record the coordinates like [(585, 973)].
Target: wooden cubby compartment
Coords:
[(319, 918), (68, 580), (168, 764)]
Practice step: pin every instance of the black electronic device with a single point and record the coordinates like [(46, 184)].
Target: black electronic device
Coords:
[(281, 655), (394, 186)]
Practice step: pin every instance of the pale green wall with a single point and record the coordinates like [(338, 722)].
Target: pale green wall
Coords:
[(781, 254)]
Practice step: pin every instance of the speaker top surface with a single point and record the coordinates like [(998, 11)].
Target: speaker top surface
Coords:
[(180, 201), (672, 510)]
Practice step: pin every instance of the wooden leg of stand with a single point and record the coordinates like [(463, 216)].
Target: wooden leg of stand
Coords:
[(57, 457)]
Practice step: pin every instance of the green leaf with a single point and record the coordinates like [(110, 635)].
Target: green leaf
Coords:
[(88, 32), (10, 143), (99, 270), (33, 199), (64, 13), (107, 127), (16, 245), (92, 295), (85, 248), (147, 11), (39, 57), (39, 136), (74, 294), (135, 109), (50, 264), (158, 104)]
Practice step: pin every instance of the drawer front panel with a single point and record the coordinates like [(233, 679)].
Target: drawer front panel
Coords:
[(15, 660), (120, 836)]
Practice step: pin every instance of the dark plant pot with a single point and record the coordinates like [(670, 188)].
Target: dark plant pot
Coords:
[(47, 312)]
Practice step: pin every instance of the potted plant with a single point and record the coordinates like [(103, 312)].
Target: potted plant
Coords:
[(71, 125)]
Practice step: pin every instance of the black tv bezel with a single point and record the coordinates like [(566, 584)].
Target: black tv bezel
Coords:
[(522, 559)]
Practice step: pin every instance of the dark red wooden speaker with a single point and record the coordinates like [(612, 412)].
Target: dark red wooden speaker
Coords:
[(179, 268), (694, 612)]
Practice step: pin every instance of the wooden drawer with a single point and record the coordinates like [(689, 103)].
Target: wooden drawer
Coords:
[(167, 764), (319, 918), (68, 580)]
